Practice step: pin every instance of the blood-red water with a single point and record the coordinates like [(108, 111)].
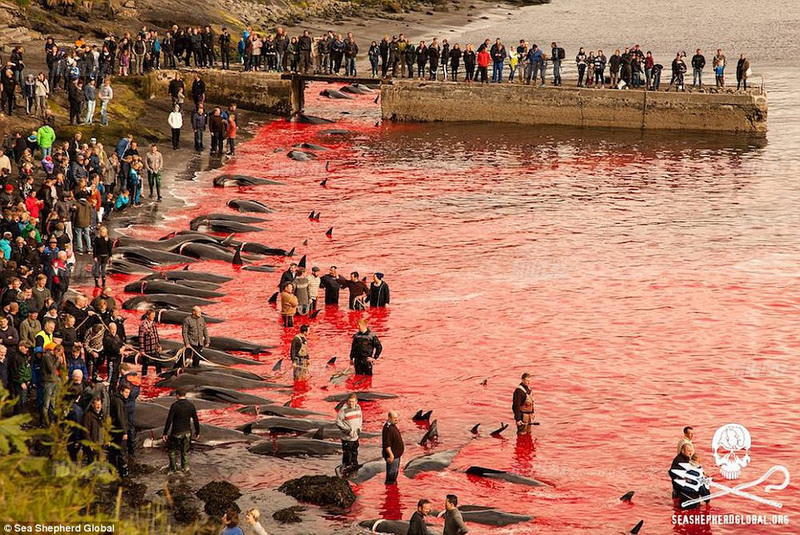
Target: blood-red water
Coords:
[(646, 282)]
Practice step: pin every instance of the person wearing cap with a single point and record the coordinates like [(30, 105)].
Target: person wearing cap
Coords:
[(178, 430), (378, 291)]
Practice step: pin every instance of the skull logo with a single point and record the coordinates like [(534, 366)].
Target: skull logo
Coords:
[(731, 444)]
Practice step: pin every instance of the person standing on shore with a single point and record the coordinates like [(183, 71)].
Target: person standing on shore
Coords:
[(149, 342), (557, 57), (483, 65), (469, 63), (198, 92), (742, 72), (102, 253), (374, 58), (720, 62), (698, 64), (349, 421), (225, 48), (498, 53), (350, 53), (175, 121), (178, 430), (195, 337), (218, 128), (198, 127), (231, 134), (154, 163), (365, 348), (392, 447), (522, 405), (106, 95)]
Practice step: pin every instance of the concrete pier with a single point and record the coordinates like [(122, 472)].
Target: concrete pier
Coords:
[(569, 106), (258, 91)]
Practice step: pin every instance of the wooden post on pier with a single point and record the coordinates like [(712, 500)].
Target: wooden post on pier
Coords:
[(298, 95)]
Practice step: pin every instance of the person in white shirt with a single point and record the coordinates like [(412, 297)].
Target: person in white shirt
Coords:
[(175, 121)]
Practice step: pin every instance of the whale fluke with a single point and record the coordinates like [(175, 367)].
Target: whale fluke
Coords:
[(324, 182), (305, 242), (277, 365), (237, 257), (422, 416), (474, 429), (637, 528), (628, 496), (302, 262), (329, 232), (311, 215), (314, 314), (288, 403), (499, 430), (186, 268), (485, 382), (273, 298), (291, 252), (431, 434), (332, 360)]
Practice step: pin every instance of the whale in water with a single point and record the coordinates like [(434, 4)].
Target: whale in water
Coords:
[(433, 462), (224, 181), (397, 527), (505, 476)]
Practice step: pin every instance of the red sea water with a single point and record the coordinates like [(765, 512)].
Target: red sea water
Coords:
[(647, 283)]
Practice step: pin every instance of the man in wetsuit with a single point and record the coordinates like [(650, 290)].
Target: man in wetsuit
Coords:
[(523, 405), (365, 348), (332, 283)]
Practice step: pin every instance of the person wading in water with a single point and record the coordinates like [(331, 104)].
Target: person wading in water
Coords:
[(523, 405), (365, 342)]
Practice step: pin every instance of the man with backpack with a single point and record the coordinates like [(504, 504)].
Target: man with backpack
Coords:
[(556, 57)]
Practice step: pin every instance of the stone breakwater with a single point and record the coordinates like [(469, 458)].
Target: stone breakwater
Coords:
[(742, 113), (736, 112)]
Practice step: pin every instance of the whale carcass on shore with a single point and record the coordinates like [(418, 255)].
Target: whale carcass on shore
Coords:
[(488, 516), (243, 180), (167, 287), (150, 257), (227, 395), (295, 447), (249, 205), (277, 410), (147, 301), (176, 317), (214, 378), (185, 274), (362, 396), (397, 527)]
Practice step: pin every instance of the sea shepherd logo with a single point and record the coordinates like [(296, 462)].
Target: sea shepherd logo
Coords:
[(731, 448)]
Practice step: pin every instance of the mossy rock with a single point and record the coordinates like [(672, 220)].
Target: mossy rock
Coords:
[(218, 497), (325, 491), (289, 514)]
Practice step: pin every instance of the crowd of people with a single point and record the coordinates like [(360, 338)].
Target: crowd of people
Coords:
[(83, 70)]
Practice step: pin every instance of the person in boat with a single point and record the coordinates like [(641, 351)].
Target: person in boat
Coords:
[(523, 405)]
